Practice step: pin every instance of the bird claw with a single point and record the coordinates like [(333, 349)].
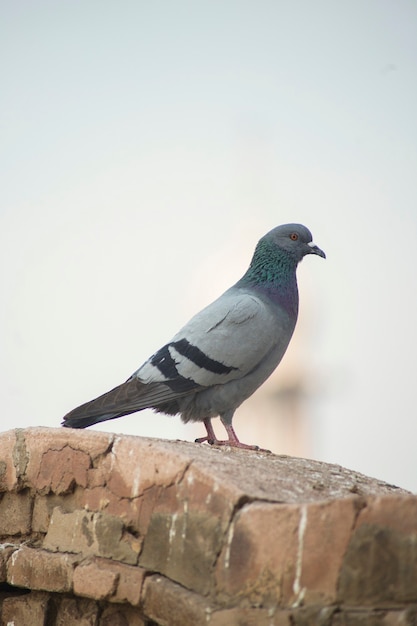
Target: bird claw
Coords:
[(243, 446), (237, 444), (211, 442), (230, 444), (203, 439)]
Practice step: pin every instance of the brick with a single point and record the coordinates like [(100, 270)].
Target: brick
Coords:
[(92, 534), (258, 559), (186, 529), (113, 541), (15, 513), (25, 609), (130, 583), (396, 512), (60, 470), (102, 499), (42, 511), (41, 441), (127, 509), (323, 535), (159, 465), (104, 579), (291, 480), (38, 569), (380, 564), (71, 532), (76, 612), (122, 616), (44, 506), (8, 474), (169, 604), (379, 568), (96, 477), (146, 506), (97, 498), (94, 580), (41, 514), (13, 459)]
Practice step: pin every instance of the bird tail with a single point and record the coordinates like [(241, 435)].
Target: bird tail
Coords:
[(131, 396)]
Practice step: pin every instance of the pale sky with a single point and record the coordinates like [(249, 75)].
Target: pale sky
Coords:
[(145, 148)]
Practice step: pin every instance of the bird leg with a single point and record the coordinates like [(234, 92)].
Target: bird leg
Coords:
[(232, 441), (211, 437)]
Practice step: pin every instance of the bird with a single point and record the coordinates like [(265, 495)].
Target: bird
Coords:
[(224, 353)]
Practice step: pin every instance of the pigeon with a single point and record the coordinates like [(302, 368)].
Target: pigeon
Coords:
[(225, 352)]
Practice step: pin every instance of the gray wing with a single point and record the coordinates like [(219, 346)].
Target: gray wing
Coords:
[(223, 342)]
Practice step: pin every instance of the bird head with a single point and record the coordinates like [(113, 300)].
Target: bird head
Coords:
[(294, 239)]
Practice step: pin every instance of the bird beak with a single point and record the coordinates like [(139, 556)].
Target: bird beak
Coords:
[(316, 250)]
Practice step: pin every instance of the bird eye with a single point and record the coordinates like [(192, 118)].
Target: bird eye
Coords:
[(294, 236)]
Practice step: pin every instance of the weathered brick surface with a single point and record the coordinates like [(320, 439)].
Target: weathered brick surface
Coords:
[(61, 469), (43, 508), (169, 604), (398, 513), (25, 610), (158, 467), (55, 444), (104, 579), (75, 612), (9, 453), (298, 553), (113, 530), (380, 567), (94, 580), (259, 556), (38, 569), (122, 616), (186, 529), (91, 534), (15, 513), (129, 583), (323, 535)]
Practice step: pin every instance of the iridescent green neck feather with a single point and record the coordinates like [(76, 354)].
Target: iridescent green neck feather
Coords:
[(272, 273)]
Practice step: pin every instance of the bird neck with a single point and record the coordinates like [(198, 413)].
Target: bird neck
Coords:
[(272, 271)]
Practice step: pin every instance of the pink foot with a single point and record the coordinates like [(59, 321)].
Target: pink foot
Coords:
[(226, 442), (210, 437), (233, 440)]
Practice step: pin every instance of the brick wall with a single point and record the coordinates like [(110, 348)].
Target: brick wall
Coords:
[(107, 530)]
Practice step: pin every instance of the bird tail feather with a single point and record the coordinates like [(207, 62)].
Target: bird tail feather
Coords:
[(131, 396)]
